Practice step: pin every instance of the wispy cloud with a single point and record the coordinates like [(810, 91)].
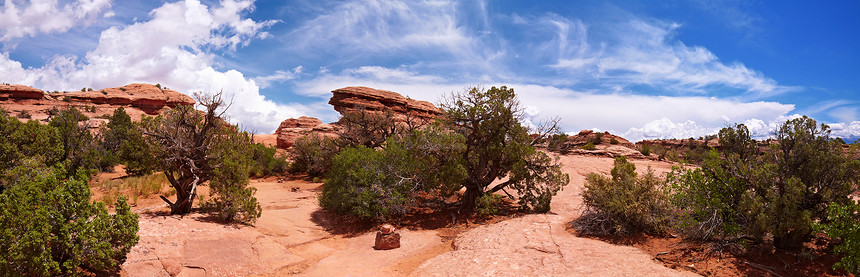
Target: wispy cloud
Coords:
[(278, 77), (645, 52)]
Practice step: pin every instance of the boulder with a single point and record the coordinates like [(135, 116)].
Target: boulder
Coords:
[(350, 99), (387, 238)]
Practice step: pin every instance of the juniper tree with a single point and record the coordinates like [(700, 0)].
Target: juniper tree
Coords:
[(497, 146)]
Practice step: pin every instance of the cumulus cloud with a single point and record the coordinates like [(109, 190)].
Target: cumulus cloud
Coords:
[(172, 49), (29, 18)]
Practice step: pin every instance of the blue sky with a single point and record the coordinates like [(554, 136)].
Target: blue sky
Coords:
[(640, 69)]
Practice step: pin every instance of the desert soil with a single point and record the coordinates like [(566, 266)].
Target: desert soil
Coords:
[(294, 237)]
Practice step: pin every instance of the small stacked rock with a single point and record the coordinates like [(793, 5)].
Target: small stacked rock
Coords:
[(387, 238)]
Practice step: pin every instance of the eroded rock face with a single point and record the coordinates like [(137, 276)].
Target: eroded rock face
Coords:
[(137, 99), (292, 129), (149, 98), (350, 99), (19, 92), (586, 136)]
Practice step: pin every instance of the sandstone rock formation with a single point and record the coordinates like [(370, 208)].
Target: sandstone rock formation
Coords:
[(605, 144), (349, 99), (387, 238), (586, 136), (353, 98), (149, 98), (294, 128), (19, 92), (137, 99)]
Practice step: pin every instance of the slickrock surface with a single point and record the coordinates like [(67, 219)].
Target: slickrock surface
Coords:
[(540, 245), (291, 238)]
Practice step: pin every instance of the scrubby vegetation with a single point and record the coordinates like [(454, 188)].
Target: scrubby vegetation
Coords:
[(48, 226), (381, 167), (780, 192), (843, 224), (785, 193), (623, 204), (313, 155)]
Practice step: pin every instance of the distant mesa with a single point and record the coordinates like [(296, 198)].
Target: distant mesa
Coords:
[(350, 99), (137, 99)]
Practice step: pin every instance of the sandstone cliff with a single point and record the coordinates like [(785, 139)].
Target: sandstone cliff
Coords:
[(137, 99)]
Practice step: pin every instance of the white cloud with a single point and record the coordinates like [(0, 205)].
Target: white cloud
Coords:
[(379, 25), (169, 49), (640, 52), (278, 77), (846, 130), (633, 116), (30, 18), (845, 114)]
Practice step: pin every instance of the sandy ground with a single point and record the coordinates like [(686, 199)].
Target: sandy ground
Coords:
[(291, 238)]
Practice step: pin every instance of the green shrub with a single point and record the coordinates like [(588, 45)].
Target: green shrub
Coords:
[(266, 161), (843, 225), (365, 183), (486, 205), (49, 227), (623, 204), (125, 143), (313, 155), (232, 199), (645, 150), (742, 193), (613, 141), (589, 146), (598, 138)]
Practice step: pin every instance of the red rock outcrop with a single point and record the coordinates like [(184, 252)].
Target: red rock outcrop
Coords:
[(294, 128), (19, 92), (352, 98), (137, 99), (586, 136), (149, 98)]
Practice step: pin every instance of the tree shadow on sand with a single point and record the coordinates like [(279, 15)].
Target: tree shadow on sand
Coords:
[(428, 214)]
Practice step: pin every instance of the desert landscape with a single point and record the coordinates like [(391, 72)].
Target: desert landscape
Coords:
[(294, 235)]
